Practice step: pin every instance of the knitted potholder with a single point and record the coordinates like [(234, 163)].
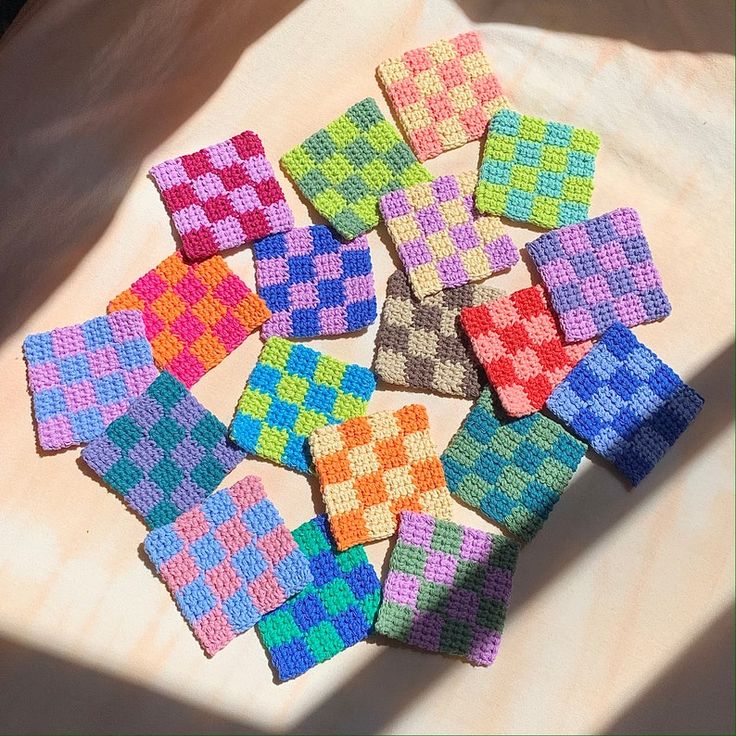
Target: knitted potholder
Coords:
[(344, 168), (83, 376), (223, 196), (195, 314), (420, 344), (291, 391), (448, 588), (626, 403), (536, 171), (371, 468), (443, 94), (314, 284), (228, 561), (440, 239), (331, 614), (165, 454), (513, 470), (600, 272), (520, 347)]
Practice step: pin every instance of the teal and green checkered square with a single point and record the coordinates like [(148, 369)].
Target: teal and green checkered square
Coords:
[(347, 166), (513, 471), (536, 171)]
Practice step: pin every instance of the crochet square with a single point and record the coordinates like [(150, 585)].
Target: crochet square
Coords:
[(344, 168), (600, 272), (165, 454), (83, 376), (371, 468), (512, 470), (222, 196), (195, 314), (626, 403), (440, 239), (519, 344), (443, 94), (314, 284), (420, 344), (291, 391), (228, 561), (331, 614), (536, 171), (447, 588)]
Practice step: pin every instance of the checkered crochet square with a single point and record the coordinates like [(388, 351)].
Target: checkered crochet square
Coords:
[(314, 284), (521, 349), (223, 196), (440, 239), (165, 454), (228, 561), (84, 376), (448, 588), (626, 403), (331, 614), (420, 344), (291, 391), (600, 272), (195, 314), (344, 168), (536, 171), (512, 470), (371, 468)]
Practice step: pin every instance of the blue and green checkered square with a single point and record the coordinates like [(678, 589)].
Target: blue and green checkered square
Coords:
[(536, 171)]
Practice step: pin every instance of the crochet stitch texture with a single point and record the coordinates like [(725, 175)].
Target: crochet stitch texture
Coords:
[(222, 196), (344, 168), (165, 454), (600, 272), (419, 344), (314, 284), (83, 376), (291, 391), (536, 171), (518, 343), (514, 471), (626, 403), (440, 239), (447, 588), (195, 314), (371, 468), (228, 561), (444, 94), (331, 614)]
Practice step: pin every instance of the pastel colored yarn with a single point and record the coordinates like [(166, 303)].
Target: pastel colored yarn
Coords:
[(165, 454), (83, 376), (371, 468), (223, 196), (314, 284), (626, 403), (291, 391), (519, 345), (439, 238), (228, 561), (195, 314), (536, 171), (444, 94), (344, 168), (600, 272), (447, 588), (331, 614), (512, 470), (419, 344)]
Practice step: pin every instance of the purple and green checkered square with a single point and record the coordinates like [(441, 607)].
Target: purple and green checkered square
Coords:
[(448, 588), (83, 376)]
